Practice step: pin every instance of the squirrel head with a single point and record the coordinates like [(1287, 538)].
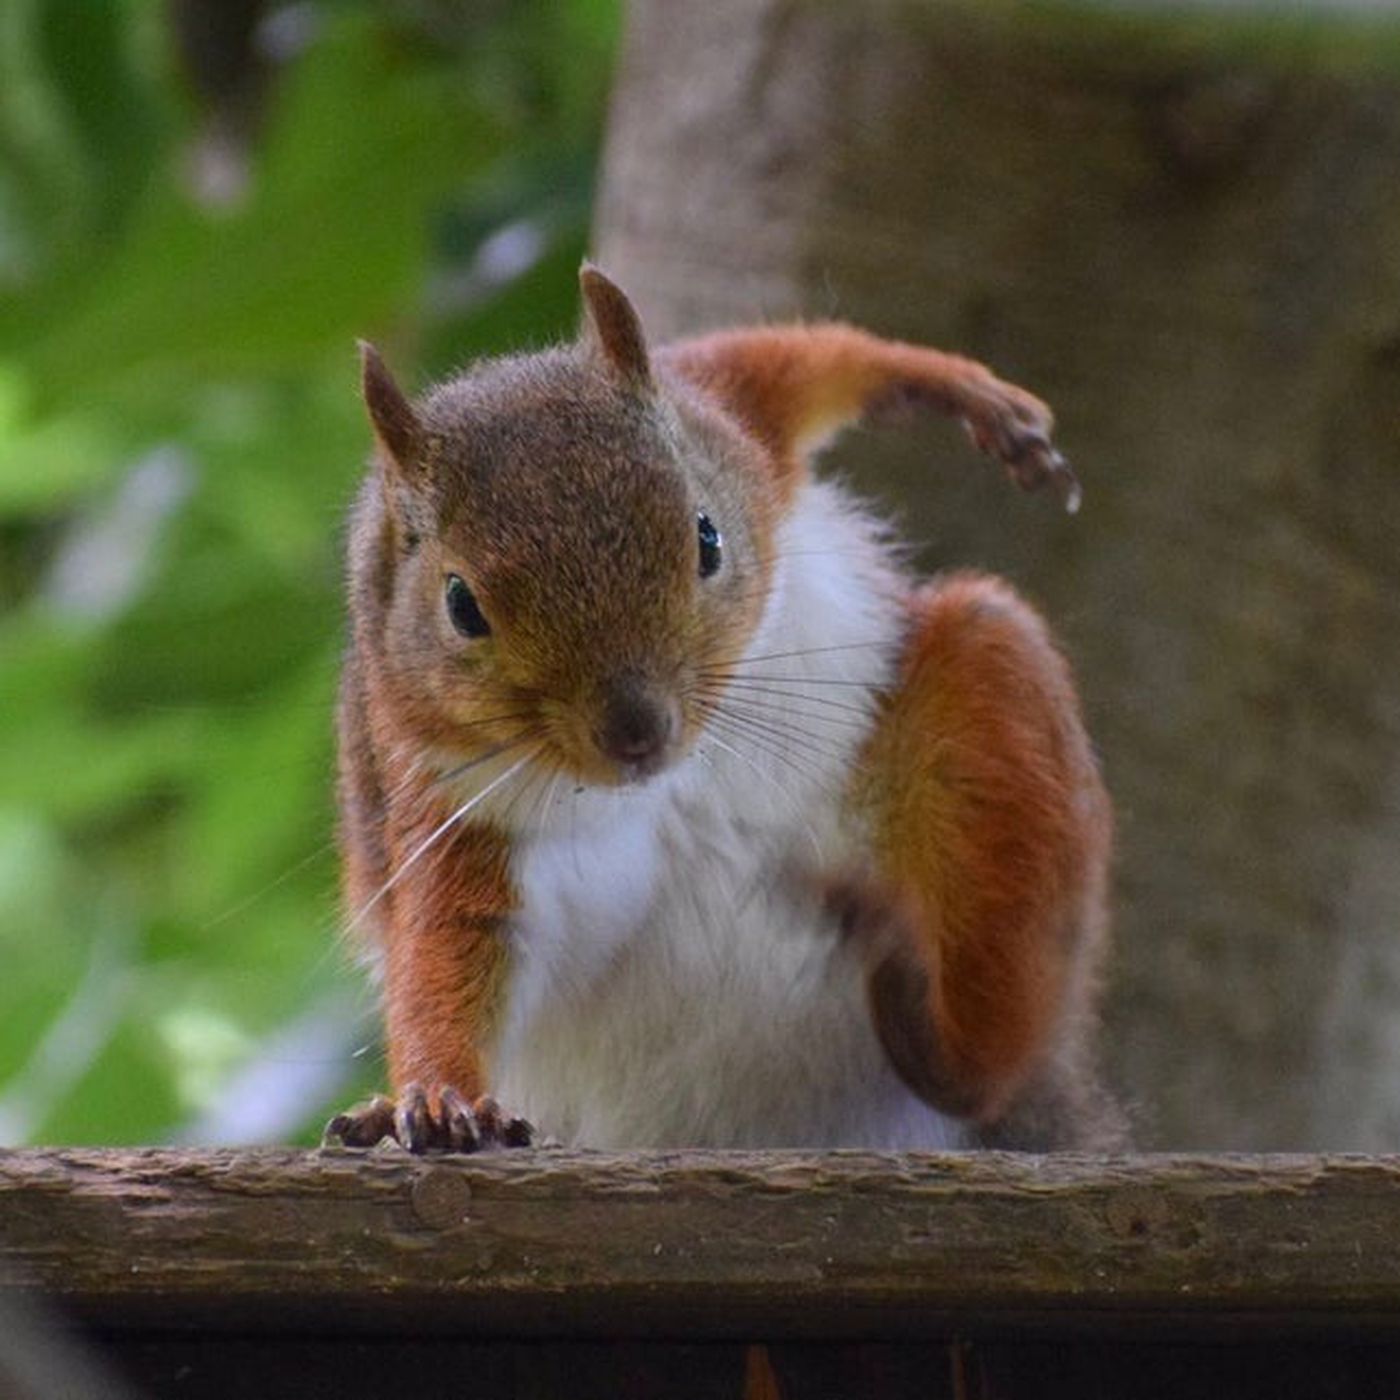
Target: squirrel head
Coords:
[(572, 549)]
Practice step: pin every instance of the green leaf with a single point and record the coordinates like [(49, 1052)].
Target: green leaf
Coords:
[(330, 242)]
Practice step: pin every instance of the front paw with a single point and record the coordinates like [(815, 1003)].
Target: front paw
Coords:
[(894, 948), (1013, 426), (868, 917), (446, 1122)]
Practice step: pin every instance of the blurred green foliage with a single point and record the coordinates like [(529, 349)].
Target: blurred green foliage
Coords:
[(179, 436)]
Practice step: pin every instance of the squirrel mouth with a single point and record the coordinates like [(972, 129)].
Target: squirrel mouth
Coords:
[(618, 777), (637, 771)]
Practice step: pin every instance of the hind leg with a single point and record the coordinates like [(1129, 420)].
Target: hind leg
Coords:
[(981, 916)]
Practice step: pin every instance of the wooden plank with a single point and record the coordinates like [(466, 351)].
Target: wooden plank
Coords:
[(706, 1245)]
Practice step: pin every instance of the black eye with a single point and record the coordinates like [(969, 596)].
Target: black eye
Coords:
[(463, 609), (711, 545)]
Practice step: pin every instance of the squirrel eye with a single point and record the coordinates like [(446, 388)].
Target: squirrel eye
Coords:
[(711, 545), (464, 610)]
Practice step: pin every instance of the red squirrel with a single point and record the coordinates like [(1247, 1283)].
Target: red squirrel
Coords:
[(675, 812)]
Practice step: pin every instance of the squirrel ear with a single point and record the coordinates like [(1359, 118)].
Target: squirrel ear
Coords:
[(612, 326), (395, 423)]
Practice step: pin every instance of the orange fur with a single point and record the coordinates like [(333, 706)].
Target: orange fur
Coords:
[(442, 970), (991, 828), (991, 825), (792, 387)]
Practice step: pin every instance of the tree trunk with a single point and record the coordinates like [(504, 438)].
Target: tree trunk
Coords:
[(1190, 245)]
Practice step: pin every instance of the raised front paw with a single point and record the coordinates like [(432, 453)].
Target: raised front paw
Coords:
[(1013, 426), (865, 913), (445, 1122), (885, 933)]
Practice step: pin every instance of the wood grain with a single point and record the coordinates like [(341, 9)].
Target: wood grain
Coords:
[(705, 1245)]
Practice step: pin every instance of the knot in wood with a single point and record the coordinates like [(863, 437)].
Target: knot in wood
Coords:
[(1136, 1214), (441, 1198)]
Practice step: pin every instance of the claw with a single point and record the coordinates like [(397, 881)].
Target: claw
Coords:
[(517, 1133), (463, 1128), (488, 1118), (362, 1126), (1067, 484), (1020, 439), (1037, 464), (413, 1123), (456, 1124)]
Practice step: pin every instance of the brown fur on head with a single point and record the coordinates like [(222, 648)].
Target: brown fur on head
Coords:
[(563, 489)]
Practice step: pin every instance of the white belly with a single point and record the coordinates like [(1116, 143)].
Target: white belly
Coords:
[(670, 984), (726, 1016)]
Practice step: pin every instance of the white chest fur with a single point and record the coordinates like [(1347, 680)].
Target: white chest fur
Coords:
[(671, 984)]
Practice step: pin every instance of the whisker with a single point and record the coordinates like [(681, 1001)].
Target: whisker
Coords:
[(804, 651), (551, 792), (822, 745), (319, 853), (819, 751), (832, 745), (486, 757), (751, 744), (831, 749), (795, 703), (734, 726), (773, 782), (740, 727), (801, 698), (803, 680), (537, 775), (427, 843)]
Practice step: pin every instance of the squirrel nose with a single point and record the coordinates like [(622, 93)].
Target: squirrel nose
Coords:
[(636, 727)]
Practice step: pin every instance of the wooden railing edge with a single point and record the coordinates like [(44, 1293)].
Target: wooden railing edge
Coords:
[(704, 1244)]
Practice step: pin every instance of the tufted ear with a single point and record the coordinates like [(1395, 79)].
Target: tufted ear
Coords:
[(611, 326), (395, 424)]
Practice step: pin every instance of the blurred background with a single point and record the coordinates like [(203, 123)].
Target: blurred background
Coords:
[(202, 205), (1180, 224)]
